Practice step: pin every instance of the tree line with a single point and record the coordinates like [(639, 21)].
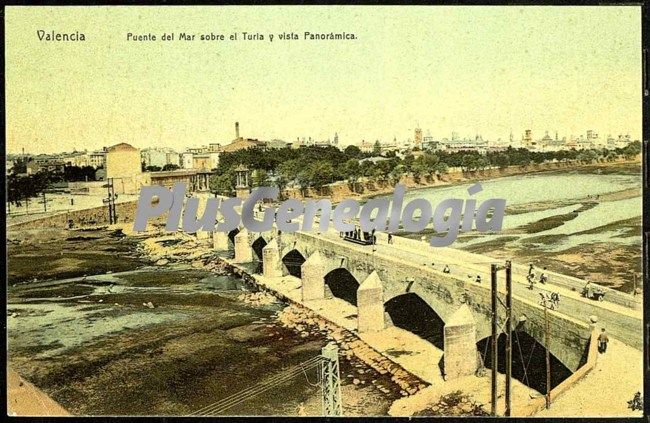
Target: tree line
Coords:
[(315, 167)]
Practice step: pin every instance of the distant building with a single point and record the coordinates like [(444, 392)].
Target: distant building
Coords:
[(186, 159), (241, 143), (276, 143), (124, 167), (366, 147), (205, 161), (428, 143), (195, 180), (160, 157), (417, 140), (97, 158), (44, 165)]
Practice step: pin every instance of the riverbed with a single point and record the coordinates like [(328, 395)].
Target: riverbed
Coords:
[(104, 331), (586, 222)]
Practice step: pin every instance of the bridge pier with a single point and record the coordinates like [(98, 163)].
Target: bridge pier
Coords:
[(313, 278), (271, 265), (460, 355), (220, 240), (370, 304), (243, 249)]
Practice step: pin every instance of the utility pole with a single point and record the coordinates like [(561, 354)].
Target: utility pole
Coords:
[(507, 329), (508, 410), (548, 356), (547, 340), (110, 200), (494, 350), (331, 381), (113, 198), (44, 202)]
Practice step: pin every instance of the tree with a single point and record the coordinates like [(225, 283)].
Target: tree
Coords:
[(482, 163), (260, 178), (353, 152), (321, 173), (501, 160), (632, 149), (376, 149), (419, 169), (223, 183), (170, 166), (290, 169), (396, 174), (441, 169), (352, 170), (468, 162), (153, 169)]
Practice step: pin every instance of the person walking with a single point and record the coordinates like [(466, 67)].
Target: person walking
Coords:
[(390, 238), (543, 277), (531, 280), (603, 339)]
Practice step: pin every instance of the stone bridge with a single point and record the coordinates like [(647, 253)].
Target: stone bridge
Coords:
[(376, 279)]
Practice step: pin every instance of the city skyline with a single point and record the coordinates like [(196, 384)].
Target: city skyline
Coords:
[(470, 70)]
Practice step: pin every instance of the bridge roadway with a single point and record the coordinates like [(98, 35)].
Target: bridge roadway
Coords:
[(445, 293), (622, 322)]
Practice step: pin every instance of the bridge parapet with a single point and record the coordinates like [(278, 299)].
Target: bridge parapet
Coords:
[(518, 270), (444, 293)]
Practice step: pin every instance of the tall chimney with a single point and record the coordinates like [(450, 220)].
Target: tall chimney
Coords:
[(236, 130)]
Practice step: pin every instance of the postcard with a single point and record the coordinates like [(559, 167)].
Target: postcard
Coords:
[(324, 211)]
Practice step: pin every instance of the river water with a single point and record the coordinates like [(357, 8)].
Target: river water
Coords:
[(122, 337), (555, 189)]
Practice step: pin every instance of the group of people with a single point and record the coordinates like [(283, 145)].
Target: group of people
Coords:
[(551, 300), (593, 292), (543, 277)]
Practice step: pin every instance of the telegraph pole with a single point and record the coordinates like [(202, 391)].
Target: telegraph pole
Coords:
[(509, 338), (548, 356), (113, 198), (508, 332), (331, 381), (494, 350), (110, 200)]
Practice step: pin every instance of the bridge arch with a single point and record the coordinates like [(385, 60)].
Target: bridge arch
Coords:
[(293, 261), (232, 234), (258, 245), (410, 312), (528, 360), (342, 284)]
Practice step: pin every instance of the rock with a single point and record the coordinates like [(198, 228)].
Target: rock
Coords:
[(149, 304), (162, 262), (100, 301), (14, 315), (356, 381)]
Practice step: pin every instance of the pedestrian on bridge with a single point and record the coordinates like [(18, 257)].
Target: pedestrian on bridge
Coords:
[(603, 339), (531, 280), (543, 277)]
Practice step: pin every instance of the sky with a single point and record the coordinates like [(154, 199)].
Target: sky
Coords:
[(472, 70)]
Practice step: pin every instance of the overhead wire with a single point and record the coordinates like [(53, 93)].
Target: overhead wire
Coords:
[(244, 395)]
